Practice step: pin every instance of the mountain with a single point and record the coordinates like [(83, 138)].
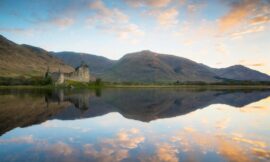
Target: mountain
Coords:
[(97, 64), (24, 60), (147, 66), (239, 72), (144, 66)]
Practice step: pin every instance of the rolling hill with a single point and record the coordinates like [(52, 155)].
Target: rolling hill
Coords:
[(148, 66), (24, 60)]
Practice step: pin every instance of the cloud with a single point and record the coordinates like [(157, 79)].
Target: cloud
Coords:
[(239, 11), (191, 8), (191, 33), (188, 42), (263, 14), (165, 17), (254, 64), (22, 31), (260, 20), (41, 26), (245, 12), (125, 31), (262, 153), (194, 7), (240, 34), (189, 129), (168, 17), (148, 3), (107, 16), (63, 22), (219, 63), (222, 49), (112, 21), (258, 64), (46, 15)]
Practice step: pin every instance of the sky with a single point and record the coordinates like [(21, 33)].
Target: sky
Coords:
[(218, 33)]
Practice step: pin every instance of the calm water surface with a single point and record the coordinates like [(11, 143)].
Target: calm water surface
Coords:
[(134, 125)]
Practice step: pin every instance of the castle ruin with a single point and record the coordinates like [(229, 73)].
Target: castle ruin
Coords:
[(81, 74)]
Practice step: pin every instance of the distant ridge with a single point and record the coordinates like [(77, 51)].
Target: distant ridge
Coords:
[(148, 66), (240, 72), (143, 66)]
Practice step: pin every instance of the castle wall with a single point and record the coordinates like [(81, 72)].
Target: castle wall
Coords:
[(57, 78), (81, 75)]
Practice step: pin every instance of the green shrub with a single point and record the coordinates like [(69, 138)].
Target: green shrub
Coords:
[(98, 82)]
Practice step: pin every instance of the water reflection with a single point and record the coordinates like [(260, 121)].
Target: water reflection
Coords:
[(83, 125), (24, 108)]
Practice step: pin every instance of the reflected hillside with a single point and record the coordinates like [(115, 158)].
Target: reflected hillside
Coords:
[(151, 104), (20, 108), (24, 108)]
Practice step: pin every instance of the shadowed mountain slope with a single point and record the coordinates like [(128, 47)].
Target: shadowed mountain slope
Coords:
[(24, 60)]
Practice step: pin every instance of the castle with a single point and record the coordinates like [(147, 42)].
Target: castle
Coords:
[(81, 74)]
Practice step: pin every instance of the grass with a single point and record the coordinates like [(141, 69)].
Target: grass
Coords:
[(41, 83), (75, 85), (202, 87), (26, 87)]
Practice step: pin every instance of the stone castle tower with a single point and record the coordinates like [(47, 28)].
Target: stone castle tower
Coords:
[(81, 74)]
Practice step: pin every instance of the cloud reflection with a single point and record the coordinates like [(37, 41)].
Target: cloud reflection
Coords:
[(21, 139), (234, 147), (164, 153), (114, 149), (59, 148)]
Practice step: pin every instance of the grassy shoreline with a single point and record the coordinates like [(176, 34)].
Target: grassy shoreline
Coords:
[(202, 87), (139, 86), (26, 87)]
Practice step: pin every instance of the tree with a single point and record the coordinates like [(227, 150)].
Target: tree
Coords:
[(98, 82)]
